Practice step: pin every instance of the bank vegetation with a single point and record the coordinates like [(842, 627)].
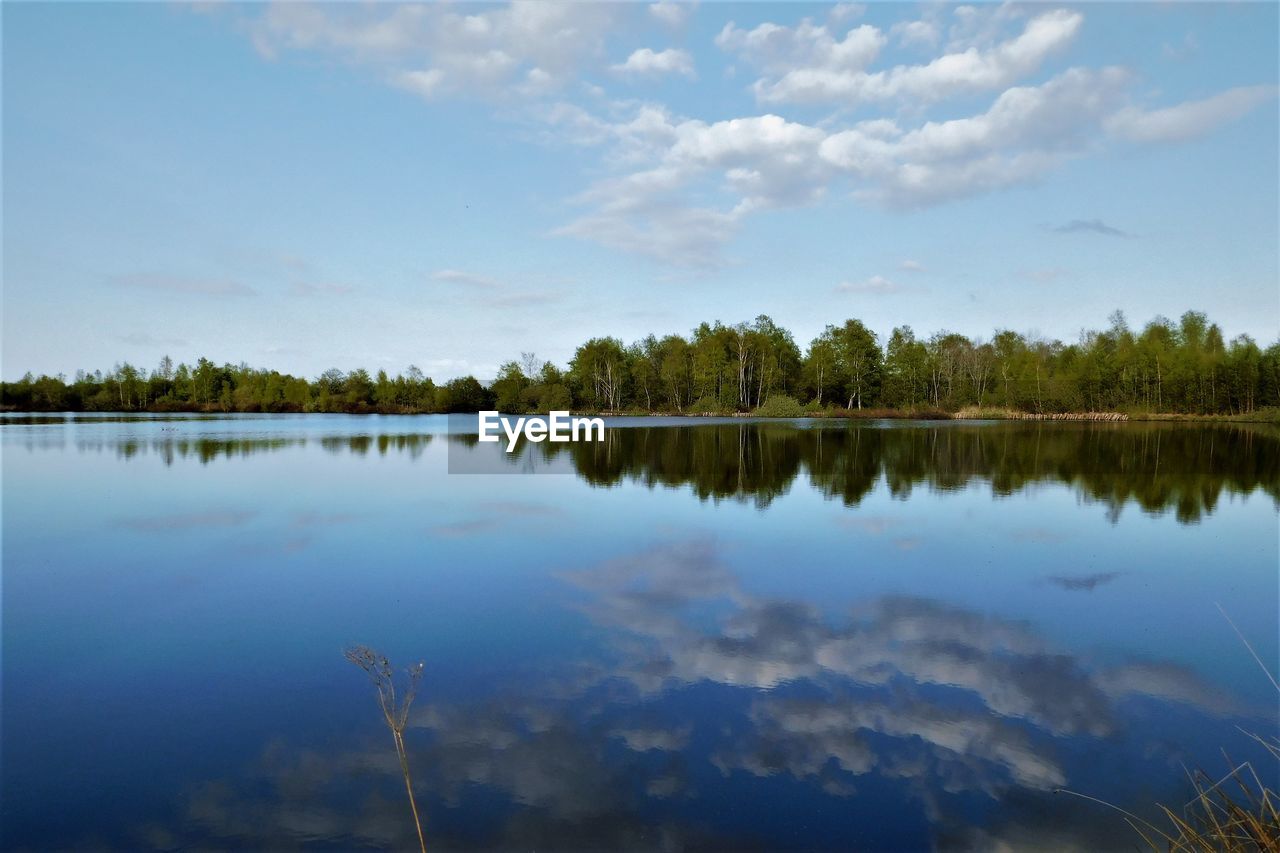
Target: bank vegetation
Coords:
[(1187, 367)]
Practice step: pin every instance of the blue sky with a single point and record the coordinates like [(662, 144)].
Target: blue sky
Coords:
[(373, 185)]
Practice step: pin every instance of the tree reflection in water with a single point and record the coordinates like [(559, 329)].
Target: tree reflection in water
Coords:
[(1156, 466)]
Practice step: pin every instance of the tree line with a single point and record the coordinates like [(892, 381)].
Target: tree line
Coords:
[(1185, 366)]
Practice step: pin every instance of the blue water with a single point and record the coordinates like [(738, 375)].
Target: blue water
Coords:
[(720, 635)]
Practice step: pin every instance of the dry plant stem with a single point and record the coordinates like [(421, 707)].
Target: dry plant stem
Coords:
[(1132, 819), (408, 786), (396, 713), (1270, 677)]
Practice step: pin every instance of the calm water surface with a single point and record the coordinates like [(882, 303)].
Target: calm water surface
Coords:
[(724, 635)]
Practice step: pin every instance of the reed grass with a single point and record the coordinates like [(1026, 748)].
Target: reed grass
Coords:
[(1237, 813), (925, 413), (395, 710), (1000, 413)]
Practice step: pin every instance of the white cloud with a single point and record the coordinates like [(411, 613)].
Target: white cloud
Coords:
[(877, 284), (693, 182), (921, 32), (646, 62), (427, 83), (912, 266), (636, 137), (1189, 119), (846, 12), (688, 184), (644, 739), (1025, 133), (806, 64), (538, 82), (678, 188), (670, 13), (669, 232), (762, 162), (440, 50), (979, 25), (807, 45)]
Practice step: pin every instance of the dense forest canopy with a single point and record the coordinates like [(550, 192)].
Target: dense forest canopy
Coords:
[(1186, 366)]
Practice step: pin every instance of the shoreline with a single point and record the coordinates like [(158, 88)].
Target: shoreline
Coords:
[(1263, 416)]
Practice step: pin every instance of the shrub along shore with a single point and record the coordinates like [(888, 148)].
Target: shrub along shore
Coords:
[(1166, 369), (783, 410)]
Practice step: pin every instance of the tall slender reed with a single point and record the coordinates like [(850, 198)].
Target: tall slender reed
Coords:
[(394, 710)]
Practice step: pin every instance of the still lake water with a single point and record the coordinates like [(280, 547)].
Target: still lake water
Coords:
[(723, 635)]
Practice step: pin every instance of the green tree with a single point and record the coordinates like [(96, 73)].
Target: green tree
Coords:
[(466, 394), (905, 369), (820, 365), (858, 361), (675, 371), (508, 389), (600, 369), (357, 391)]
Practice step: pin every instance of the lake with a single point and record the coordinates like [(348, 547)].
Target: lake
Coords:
[(729, 634)]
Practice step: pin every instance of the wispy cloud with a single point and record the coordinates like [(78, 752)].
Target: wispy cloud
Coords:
[(466, 279), (1090, 226), (306, 288), (911, 266), (874, 524), (492, 293), (189, 521), (465, 528), (286, 351), (526, 299), (314, 518), (1044, 275), (164, 283), (1189, 119), (1085, 583), (1183, 51), (1038, 534), (144, 339), (523, 509), (877, 284)]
